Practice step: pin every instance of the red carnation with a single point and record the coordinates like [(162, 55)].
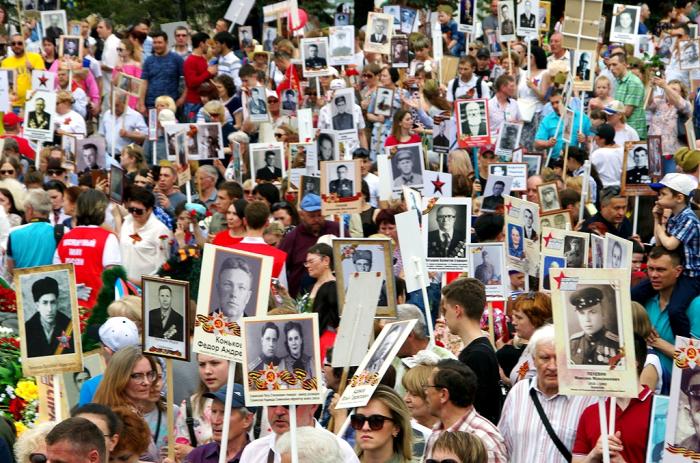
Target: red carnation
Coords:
[(15, 407)]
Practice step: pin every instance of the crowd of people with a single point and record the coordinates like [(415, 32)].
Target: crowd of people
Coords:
[(481, 389)]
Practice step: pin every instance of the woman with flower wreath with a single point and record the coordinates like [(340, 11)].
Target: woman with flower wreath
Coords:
[(145, 241)]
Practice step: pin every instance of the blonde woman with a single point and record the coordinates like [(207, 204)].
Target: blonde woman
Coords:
[(129, 64), (133, 160), (128, 307), (459, 446), (32, 441)]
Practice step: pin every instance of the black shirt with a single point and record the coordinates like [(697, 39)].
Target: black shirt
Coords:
[(481, 358), (625, 230)]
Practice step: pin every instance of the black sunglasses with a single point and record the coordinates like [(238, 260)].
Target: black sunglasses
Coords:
[(449, 460), (7, 172), (16, 43), (376, 422), (52, 172), (136, 210), (37, 458)]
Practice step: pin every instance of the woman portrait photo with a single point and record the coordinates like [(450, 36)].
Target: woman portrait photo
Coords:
[(515, 240)]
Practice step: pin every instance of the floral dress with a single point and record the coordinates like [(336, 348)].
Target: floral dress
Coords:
[(202, 423), (664, 122)]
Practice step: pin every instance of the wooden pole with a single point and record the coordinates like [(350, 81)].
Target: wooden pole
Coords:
[(58, 409), (636, 213), (170, 400), (293, 433), (566, 157), (420, 270), (492, 328), (227, 412)]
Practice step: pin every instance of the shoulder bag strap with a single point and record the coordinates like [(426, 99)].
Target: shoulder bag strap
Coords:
[(189, 420), (545, 421)]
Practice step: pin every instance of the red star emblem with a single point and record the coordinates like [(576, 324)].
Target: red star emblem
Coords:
[(547, 238), (66, 121), (437, 185), (559, 278), (64, 340), (508, 206), (43, 80)]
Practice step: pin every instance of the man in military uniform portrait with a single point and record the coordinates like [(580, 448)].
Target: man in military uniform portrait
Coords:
[(594, 344), (529, 228), (269, 336), (382, 352), (343, 119), (342, 186), (495, 199), (164, 322), (290, 100), (448, 240), (485, 272), (527, 17), (573, 251), (313, 61), (257, 105), (637, 168), (269, 171), (690, 386), (339, 44), (39, 118), (48, 329), (362, 260), (403, 160), (507, 26)]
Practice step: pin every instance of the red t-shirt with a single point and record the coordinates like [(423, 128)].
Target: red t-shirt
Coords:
[(196, 73), (25, 149), (264, 249), (633, 424), (393, 141), (224, 239)]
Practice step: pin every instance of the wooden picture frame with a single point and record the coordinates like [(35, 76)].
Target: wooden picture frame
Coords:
[(71, 46)]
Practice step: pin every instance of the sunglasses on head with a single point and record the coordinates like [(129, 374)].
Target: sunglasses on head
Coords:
[(136, 210), (37, 458), (376, 422), (448, 460)]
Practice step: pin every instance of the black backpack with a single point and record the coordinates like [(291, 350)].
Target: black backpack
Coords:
[(455, 86)]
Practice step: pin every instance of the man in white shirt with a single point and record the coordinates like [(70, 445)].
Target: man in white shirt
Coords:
[(228, 63), (110, 58), (129, 127), (263, 449), (503, 107), (467, 84), (556, 46)]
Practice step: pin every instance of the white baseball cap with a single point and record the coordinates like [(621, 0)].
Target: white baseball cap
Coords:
[(118, 333), (337, 84), (682, 183)]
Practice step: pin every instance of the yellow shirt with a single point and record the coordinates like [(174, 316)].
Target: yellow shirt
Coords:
[(24, 76)]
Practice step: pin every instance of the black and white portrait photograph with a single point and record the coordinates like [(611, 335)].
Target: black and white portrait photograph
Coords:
[(116, 184), (395, 12), (682, 436), (48, 319), (534, 163), (165, 330), (506, 23), (592, 325), (314, 57), (408, 19), (406, 166), (38, 116), (245, 36), (93, 365), (351, 256), (257, 105), (465, 21), (497, 187), (309, 184), (530, 224), (597, 251), (342, 118), (375, 363), (618, 252), (568, 135), (342, 45), (90, 154), (488, 265), (583, 70), (54, 23), (527, 17), (517, 171), (625, 23), (384, 102), (269, 36), (327, 148), (447, 232), (473, 122), (549, 197), (340, 177), (655, 154), (341, 184), (399, 51), (689, 54), (636, 163), (210, 142), (180, 147), (575, 252), (267, 162), (508, 138), (282, 360), (290, 101), (379, 32), (559, 220), (71, 46)]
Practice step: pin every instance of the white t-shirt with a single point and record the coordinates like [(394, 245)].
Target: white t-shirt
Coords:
[(626, 134), (653, 360), (608, 163)]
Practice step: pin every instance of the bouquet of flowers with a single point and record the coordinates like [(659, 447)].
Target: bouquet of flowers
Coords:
[(19, 396)]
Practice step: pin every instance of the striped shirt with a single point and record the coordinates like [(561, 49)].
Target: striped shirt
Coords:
[(229, 64), (482, 428), (685, 227), (525, 436), (630, 91)]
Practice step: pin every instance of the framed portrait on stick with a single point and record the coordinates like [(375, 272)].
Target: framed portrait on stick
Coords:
[(71, 46), (282, 360), (487, 263), (72, 382), (625, 23), (352, 256), (233, 284), (49, 322), (379, 33), (39, 112), (446, 226), (314, 57), (472, 123), (635, 170), (594, 332), (165, 317), (341, 183)]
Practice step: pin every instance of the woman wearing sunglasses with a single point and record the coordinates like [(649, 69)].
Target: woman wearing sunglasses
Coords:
[(383, 431), (10, 167), (144, 240), (458, 447)]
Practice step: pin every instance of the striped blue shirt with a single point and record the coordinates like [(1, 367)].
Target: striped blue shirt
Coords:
[(686, 228)]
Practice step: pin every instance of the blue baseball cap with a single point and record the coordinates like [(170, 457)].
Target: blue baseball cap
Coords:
[(311, 203), (237, 397)]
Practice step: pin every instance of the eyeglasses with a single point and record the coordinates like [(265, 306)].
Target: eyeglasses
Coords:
[(37, 458), (446, 217), (448, 460), (376, 422), (136, 210), (310, 262), (368, 76), (277, 135), (7, 172), (140, 377)]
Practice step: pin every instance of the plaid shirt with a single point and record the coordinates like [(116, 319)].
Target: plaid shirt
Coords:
[(686, 228), (482, 428), (630, 91)]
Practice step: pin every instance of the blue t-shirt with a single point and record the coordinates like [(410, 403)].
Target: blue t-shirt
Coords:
[(87, 392), (32, 245), (549, 125), (662, 324), (163, 75)]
